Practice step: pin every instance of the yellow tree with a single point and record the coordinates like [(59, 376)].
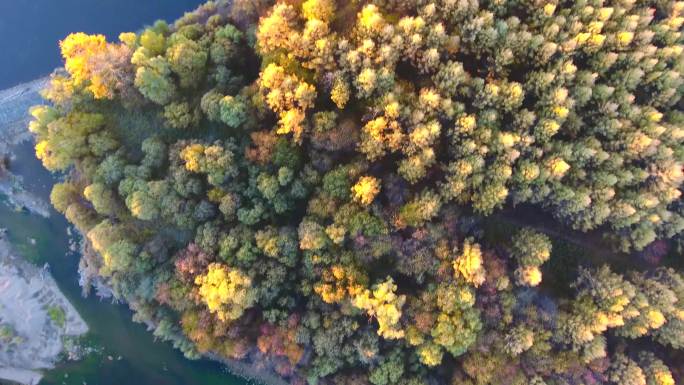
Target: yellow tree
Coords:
[(226, 292), (365, 190), (288, 96), (468, 265), (385, 305), (78, 49)]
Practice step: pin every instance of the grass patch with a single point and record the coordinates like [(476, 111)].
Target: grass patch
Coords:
[(6, 333), (8, 336), (57, 315)]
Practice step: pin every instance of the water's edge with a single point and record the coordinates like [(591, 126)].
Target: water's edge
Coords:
[(27, 292), (14, 118)]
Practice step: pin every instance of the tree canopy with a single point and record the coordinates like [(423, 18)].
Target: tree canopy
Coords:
[(388, 191)]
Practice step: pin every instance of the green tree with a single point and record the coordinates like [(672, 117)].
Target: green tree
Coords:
[(233, 111), (62, 195), (101, 197), (179, 115), (154, 42), (531, 248), (154, 81), (625, 371), (188, 60), (389, 371)]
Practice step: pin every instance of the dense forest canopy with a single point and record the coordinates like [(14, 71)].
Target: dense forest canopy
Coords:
[(310, 185)]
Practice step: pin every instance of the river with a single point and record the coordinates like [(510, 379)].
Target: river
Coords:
[(126, 353)]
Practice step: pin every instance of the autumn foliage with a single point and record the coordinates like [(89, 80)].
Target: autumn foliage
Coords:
[(387, 191)]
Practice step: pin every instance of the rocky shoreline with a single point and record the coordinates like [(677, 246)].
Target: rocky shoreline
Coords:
[(14, 105), (250, 368), (11, 187), (20, 281), (35, 318), (14, 117)]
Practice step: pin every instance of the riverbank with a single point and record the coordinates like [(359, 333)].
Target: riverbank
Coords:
[(255, 368), (250, 371), (14, 118), (35, 319), (11, 186), (138, 359)]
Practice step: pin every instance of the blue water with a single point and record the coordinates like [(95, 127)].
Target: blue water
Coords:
[(127, 353), (30, 29)]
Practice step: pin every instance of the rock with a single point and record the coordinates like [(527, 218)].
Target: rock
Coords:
[(4, 165), (21, 376), (28, 297), (14, 105)]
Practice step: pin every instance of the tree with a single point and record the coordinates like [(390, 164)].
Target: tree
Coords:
[(101, 197), (311, 236), (275, 29), (365, 190), (67, 140), (217, 161), (78, 51), (655, 371), (288, 96), (420, 210), (671, 333), (518, 340), (118, 257), (81, 216), (155, 151), (143, 205), (226, 45), (430, 354), (383, 304), (322, 10), (116, 250), (42, 116), (528, 276), (211, 105), (154, 42), (651, 304), (62, 195), (179, 115), (188, 60), (154, 81), (603, 301), (233, 111), (389, 371), (340, 93), (624, 370), (531, 248), (468, 266), (226, 292)]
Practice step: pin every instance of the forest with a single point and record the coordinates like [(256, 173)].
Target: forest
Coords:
[(406, 192)]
